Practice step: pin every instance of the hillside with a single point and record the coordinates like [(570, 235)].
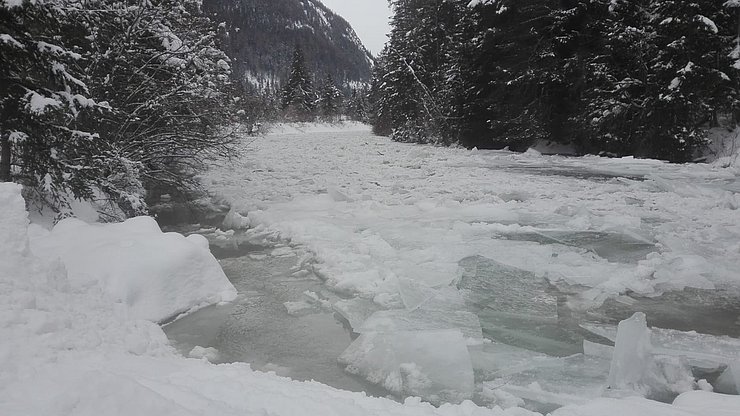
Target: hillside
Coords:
[(260, 35)]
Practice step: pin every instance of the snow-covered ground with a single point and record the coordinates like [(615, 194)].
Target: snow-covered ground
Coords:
[(410, 236)]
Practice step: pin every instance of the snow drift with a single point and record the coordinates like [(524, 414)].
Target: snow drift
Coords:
[(155, 275)]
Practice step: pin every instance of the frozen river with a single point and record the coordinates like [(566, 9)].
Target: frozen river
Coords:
[(453, 274)]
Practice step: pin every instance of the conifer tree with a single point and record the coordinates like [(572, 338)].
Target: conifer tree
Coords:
[(298, 96), (330, 99), (44, 101)]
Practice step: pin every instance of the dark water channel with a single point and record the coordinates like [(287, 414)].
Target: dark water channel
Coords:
[(257, 327)]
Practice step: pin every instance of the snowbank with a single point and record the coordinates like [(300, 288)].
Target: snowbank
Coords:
[(155, 275), (697, 403), (67, 349)]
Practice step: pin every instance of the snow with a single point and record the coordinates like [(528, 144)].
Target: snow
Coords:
[(414, 227), (71, 349), (709, 23), (7, 39), (688, 404), (154, 275), (38, 104)]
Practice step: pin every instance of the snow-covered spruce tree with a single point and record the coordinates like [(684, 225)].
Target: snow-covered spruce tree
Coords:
[(413, 70), (298, 97), (733, 8), (330, 100), (157, 65), (691, 75), (573, 39), (358, 106), (503, 88), (45, 104), (618, 83)]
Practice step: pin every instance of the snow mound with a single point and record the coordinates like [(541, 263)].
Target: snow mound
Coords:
[(155, 275)]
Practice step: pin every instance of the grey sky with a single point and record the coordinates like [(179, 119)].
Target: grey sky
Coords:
[(369, 18)]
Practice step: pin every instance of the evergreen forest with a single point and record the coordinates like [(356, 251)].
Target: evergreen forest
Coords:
[(613, 77)]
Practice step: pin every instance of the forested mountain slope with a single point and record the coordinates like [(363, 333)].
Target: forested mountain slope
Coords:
[(260, 35)]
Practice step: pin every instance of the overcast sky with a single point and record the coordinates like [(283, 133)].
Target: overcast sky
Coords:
[(369, 18)]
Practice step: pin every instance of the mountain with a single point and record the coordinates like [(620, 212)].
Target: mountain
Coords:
[(260, 36)]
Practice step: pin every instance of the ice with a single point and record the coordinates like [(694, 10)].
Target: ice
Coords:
[(632, 354), (207, 353), (415, 294), (549, 382), (505, 289), (729, 381), (434, 365), (422, 320), (703, 351), (623, 246), (355, 310), (597, 350), (495, 360), (298, 308), (635, 368)]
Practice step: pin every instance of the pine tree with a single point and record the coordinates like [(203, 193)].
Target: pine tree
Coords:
[(502, 89), (43, 103), (358, 106), (109, 99), (619, 86), (690, 72), (330, 99), (298, 96)]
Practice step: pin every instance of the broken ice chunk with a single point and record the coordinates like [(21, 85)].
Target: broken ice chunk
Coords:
[(434, 365), (634, 367), (703, 351), (422, 320), (355, 310), (729, 381), (597, 350), (371, 356), (554, 382), (496, 286), (210, 354), (632, 353), (299, 308), (495, 360)]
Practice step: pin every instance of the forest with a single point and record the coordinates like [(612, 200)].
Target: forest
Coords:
[(613, 77), (122, 102)]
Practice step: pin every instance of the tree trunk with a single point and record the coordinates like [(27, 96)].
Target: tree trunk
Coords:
[(5, 147)]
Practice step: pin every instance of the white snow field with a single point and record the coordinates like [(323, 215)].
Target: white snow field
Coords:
[(429, 247)]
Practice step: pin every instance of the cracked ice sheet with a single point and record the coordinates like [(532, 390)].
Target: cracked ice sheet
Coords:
[(373, 211)]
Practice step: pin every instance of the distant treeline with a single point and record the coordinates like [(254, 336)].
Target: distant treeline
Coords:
[(619, 77)]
